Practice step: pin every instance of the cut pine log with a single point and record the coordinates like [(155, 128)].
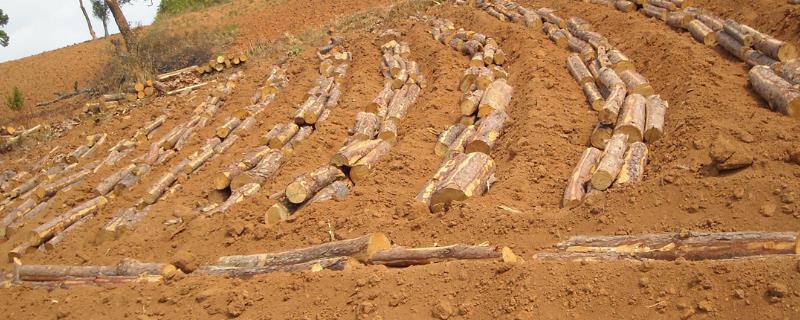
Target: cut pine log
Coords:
[(711, 22), (730, 44), (470, 177), (790, 71), (282, 135), (610, 79), (125, 268), (631, 121), (609, 114), (774, 48), (633, 165), (576, 185), (401, 101), (348, 155), (679, 20), (263, 170), (197, 160), (446, 138), (361, 170), (107, 185), (654, 11), (487, 133), (305, 186), (336, 264), (362, 248), (611, 163), (636, 83), (578, 70), (59, 237), (161, 186), (230, 125), (470, 102), (47, 191), (733, 29), (44, 232), (656, 110), (14, 215), (238, 195), (302, 134), (702, 33), (31, 214), (381, 101), (403, 257), (619, 61), (496, 97), (600, 136), (123, 221), (779, 93), (593, 96), (690, 246)]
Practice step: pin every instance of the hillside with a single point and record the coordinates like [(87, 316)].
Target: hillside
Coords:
[(726, 163)]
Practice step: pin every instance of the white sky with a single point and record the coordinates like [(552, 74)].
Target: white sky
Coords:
[(36, 26)]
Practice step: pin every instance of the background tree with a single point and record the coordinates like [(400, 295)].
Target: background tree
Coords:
[(100, 10), (88, 22), (122, 23), (3, 35)]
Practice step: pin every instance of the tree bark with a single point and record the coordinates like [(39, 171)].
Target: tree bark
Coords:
[(88, 21), (654, 122), (122, 23), (403, 257), (362, 248), (632, 119)]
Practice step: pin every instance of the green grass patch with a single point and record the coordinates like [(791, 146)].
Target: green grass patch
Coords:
[(172, 7)]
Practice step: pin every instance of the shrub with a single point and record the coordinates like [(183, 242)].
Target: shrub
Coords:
[(170, 7), (160, 50), (14, 101)]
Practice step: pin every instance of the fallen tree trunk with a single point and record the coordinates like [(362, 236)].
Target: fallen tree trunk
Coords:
[(775, 90), (305, 186), (470, 177), (689, 246), (404, 257), (611, 164), (362, 248), (576, 185)]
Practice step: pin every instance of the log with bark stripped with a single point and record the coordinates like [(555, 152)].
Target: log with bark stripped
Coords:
[(362, 248), (702, 33), (123, 221), (578, 69), (157, 190), (730, 44), (611, 163), (336, 264), (46, 191), (447, 137), (576, 185), (487, 133), (348, 155), (366, 126), (633, 165), (631, 121)]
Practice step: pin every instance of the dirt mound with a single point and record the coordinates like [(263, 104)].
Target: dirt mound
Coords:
[(714, 121)]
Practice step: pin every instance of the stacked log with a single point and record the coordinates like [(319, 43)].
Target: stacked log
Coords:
[(220, 63), (693, 246)]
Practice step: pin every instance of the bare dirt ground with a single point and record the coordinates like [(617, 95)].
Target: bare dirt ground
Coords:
[(709, 100)]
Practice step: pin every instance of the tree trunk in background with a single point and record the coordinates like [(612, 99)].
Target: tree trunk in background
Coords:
[(105, 28), (88, 22), (122, 23)]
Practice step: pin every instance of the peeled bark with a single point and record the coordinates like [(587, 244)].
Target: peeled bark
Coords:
[(487, 133), (654, 122), (446, 138), (611, 164), (362, 248), (403, 257), (779, 93), (631, 121), (107, 185), (702, 33), (361, 170), (690, 246), (576, 185), (633, 165), (470, 177), (305, 186)]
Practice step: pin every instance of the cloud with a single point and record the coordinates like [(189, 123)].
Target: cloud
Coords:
[(43, 25)]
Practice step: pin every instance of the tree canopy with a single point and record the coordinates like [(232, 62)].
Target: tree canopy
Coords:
[(3, 35)]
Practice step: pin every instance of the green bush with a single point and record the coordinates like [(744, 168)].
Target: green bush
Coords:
[(170, 7), (14, 101)]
